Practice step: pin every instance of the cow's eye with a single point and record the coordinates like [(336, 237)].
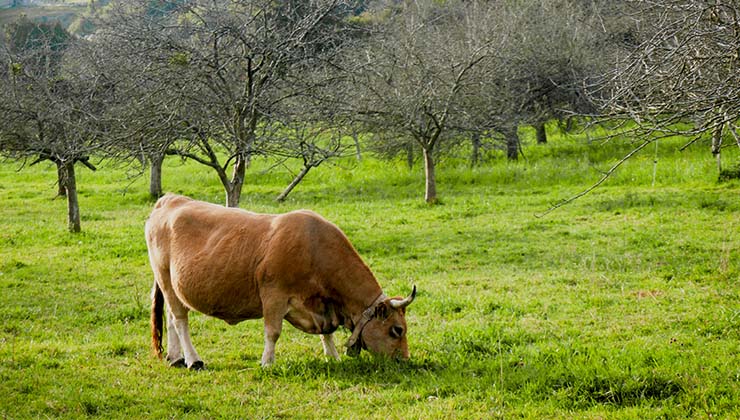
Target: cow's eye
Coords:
[(396, 331)]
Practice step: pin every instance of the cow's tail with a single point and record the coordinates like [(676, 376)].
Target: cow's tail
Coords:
[(156, 319)]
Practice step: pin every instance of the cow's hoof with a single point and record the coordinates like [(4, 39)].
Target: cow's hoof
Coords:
[(179, 363), (197, 365)]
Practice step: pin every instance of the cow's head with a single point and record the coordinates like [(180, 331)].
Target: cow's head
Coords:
[(385, 331)]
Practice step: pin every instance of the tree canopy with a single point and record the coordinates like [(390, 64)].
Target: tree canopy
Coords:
[(224, 82)]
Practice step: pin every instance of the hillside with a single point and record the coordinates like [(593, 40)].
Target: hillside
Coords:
[(66, 12)]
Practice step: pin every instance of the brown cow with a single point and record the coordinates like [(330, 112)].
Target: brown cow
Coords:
[(236, 265)]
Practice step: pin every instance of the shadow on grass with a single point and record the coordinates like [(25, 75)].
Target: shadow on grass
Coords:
[(365, 369), (570, 384), (619, 390)]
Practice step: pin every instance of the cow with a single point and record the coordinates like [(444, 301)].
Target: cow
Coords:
[(236, 265)]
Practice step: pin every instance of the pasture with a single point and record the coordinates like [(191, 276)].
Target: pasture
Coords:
[(622, 305)]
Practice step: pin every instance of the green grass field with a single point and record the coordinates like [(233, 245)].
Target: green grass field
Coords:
[(621, 305)]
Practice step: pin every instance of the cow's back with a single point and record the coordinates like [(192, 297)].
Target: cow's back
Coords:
[(309, 257)]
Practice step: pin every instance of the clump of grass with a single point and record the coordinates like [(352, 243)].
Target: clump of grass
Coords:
[(728, 174)]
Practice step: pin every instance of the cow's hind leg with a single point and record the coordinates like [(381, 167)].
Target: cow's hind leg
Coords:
[(272, 333), (327, 340), (174, 349), (179, 345), (192, 359), (180, 350)]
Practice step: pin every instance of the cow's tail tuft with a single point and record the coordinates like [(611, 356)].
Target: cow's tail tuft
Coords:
[(156, 319)]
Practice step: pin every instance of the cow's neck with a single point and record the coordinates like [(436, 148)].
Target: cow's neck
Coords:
[(361, 300), (354, 344)]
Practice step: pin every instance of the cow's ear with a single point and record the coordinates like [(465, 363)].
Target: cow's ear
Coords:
[(382, 311)]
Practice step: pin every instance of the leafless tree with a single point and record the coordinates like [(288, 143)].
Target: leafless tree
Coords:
[(222, 66), (51, 104), (547, 52), (311, 143), (682, 77), (415, 71), (434, 72)]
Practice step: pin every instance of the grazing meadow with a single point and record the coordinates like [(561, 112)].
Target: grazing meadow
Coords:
[(623, 304)]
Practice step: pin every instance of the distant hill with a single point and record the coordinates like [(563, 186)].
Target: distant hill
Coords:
[(39, 3), (66, 12)]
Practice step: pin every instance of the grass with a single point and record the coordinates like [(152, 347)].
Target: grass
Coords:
[(623, 304)]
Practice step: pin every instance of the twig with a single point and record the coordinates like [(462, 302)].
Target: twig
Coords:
[(599, 182)]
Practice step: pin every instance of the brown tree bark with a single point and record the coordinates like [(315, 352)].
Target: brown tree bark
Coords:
[(73, 205), (155, 176), (234, 186), (298, 178), (541, 133), (512, 142)]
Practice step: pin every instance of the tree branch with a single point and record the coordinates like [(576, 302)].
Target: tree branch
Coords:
[(598, 183)]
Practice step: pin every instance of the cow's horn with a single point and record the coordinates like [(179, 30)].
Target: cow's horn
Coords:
[(402, 303)]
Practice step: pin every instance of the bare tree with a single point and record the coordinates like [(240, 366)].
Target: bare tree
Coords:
[(682, 75), (547, 52), (417, 70), (223, 65), (51, 104), (436, 71)]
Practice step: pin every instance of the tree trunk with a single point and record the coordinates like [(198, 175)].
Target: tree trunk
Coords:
[(512, 143), (358, 151), (61, 188), (233, 194), (475, 157), (717, 146), (410, 155), (541, 133), (293, 184), (430, 195), (234, 187), (155, 176), (73, 206)]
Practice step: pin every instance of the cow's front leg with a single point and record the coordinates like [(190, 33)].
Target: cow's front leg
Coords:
[(327, 340), (272, 333), (274, 314)]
